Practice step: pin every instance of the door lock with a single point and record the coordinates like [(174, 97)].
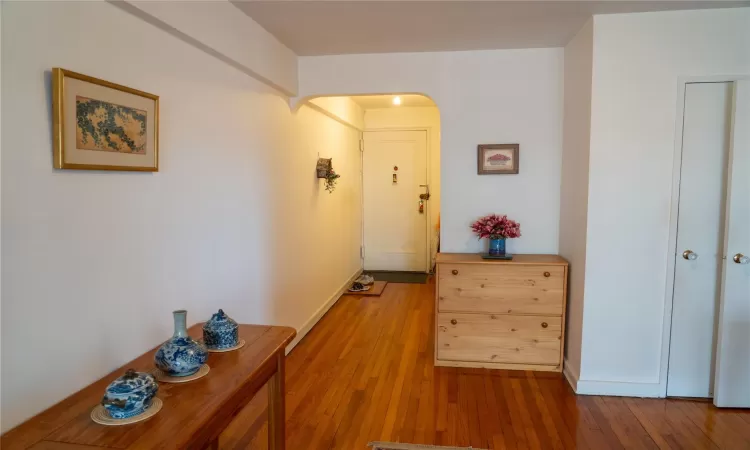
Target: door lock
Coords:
[(739, 258)]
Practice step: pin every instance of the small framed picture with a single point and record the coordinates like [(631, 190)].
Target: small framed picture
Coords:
[(497, 159), (100, 125)]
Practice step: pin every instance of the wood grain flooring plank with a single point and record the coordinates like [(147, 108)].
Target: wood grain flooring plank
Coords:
[(366, 372), (626, 424)]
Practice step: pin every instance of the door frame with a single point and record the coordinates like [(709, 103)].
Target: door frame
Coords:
[(428, 207), (672, 250)]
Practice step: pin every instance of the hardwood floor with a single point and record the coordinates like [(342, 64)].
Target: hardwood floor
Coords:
[(366, 373)]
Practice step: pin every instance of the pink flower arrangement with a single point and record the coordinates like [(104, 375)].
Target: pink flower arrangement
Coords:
[(496, 227)]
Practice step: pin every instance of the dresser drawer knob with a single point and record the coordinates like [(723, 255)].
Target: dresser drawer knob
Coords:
[(546, 274), (544, 325), (454, 321), (454, 272)]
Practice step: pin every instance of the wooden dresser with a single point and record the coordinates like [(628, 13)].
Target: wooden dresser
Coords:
[(500, 314)]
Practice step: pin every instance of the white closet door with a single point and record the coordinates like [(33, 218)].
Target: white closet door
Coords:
[(700, 239), (732, 381)]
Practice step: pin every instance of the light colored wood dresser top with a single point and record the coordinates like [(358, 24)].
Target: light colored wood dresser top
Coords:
[(473, 258)]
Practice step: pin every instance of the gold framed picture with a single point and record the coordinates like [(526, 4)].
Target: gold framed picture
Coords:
[(497, 159), (99, 125)]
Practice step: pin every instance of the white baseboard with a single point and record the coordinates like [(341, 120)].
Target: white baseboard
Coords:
[(620, 389), (610, 388), (302, 332), (570, 375)]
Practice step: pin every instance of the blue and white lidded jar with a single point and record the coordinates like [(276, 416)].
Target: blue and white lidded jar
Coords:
[(130, 395), (181, 355), (220, 332)]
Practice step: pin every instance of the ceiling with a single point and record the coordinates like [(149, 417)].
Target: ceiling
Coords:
[(386, 101), (340, 27)]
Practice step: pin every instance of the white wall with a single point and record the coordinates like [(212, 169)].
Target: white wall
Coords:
[(343, 109), (638, 60), (221, 29), (427, 117), (484, 97), (574, 188), (93, 263)]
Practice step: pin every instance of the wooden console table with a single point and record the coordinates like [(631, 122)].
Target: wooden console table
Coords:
[(194, 413)]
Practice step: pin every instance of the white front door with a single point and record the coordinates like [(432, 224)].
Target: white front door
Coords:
[(395, 230), (732, 388), (700, 239)]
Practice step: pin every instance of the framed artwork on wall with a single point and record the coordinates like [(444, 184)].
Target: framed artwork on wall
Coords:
[(497, 159), (99, 125)]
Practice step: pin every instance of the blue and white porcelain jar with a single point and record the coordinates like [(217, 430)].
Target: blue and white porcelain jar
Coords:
[(181, 355), (220, 332), (130, 395)]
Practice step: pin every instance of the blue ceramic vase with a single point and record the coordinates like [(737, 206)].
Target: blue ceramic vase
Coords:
[(181, 355), (130, 395), (497, 247), (220, 332)]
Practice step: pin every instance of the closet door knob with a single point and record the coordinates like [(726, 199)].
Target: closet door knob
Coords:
[(454, 321), (454, 272), (739, 258), (546, 274), (544, 325), (690, 255)]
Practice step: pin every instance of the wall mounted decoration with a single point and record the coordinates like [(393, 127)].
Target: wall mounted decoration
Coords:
[(496, 159), (98, 125), (181, 355), (331, 180), (323, 167)]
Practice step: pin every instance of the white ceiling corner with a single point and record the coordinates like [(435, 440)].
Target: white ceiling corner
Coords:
[(386, 101), (348, 27)]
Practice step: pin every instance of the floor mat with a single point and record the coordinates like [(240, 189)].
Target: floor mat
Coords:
[(399, 277)]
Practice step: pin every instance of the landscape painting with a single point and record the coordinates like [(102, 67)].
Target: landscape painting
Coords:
[(108, 127), (101, 125)]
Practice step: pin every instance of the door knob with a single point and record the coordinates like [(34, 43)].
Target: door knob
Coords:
[(739, 258), (690, 255), (425, 196)]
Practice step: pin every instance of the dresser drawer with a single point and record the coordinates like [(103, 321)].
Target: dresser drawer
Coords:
[(487, 338), (506, 288)]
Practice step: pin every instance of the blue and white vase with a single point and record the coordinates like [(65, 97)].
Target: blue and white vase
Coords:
[(497, 247), (130, 395), (220, 332), (181, 355)]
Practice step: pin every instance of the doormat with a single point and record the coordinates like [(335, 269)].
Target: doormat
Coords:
[(398, 277), (399, 446)]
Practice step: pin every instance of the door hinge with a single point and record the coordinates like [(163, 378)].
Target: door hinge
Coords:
[(361, 145), (362, 251)]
